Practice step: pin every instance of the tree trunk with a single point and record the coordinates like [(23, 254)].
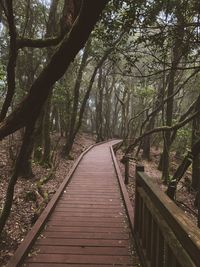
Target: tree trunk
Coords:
[(26, 164), (169, 117), (177, 53), (18, 166), (70, 138), (146, 143), (38, 138), (99, 109), (46, 134), (196, 160)]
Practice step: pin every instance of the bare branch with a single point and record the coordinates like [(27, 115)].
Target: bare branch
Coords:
[(38, 43), (162, 129)]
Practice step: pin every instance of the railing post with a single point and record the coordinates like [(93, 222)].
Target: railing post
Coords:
[(126, 163), (139, 168), (137, 199), (137, 214)]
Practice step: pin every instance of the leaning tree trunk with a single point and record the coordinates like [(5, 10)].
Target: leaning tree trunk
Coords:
[(187, 161)]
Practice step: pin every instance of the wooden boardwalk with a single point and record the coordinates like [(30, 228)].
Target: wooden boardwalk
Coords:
[(88, 226)]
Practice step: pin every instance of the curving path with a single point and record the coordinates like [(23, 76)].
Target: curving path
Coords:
[(88, 226)]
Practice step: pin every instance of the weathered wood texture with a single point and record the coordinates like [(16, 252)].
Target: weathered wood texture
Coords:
[(87, 226), (165, 237)]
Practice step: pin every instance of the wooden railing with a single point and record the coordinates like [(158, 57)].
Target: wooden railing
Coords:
[(164, 236)]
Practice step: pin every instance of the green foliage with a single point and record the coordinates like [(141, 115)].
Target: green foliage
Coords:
[(146, 92), (183, 140), (118, 16)]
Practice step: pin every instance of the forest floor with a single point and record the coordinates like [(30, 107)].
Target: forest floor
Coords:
[(30, 197), (184, 197)]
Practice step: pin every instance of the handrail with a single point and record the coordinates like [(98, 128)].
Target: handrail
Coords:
[(164, 236), (127, 202)]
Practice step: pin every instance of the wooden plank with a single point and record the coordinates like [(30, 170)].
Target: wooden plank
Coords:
[(92, 194), (83, 242), (148, 234), (82, 259), (105, 175), (89, 197), (82, 183), (88, 210), (87, 206), (96, 188), (99, 190), (86, 229), (42, 249), (82, 235), (91, 200), (97, 223), (69, 265), (160, 249), (153, 243), (109, 184), (85, 214), (88, 202), (86, 219)]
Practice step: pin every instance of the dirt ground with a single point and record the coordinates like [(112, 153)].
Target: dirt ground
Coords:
[(184, 197), (30, 198)]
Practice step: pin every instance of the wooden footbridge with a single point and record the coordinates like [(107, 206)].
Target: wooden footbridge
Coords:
[(90, 222)]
